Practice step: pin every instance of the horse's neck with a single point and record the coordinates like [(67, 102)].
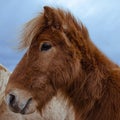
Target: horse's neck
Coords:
[(91, 86)]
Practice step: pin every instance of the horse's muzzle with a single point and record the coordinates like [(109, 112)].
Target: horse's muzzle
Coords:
[(18, 102)]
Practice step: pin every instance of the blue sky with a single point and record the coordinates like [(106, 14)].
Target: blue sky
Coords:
[(102, 19)]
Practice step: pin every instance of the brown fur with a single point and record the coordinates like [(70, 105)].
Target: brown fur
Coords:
[(56, 109), (74, 66)]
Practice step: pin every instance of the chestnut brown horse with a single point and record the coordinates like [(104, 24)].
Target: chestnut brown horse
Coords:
[(61, 58), (57, 109)]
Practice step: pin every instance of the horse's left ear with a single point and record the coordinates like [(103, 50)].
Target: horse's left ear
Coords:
[(52, 18)]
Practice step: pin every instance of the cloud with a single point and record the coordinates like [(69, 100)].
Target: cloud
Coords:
[(101, 18)]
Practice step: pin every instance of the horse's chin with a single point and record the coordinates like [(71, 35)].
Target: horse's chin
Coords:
[(27, 112)]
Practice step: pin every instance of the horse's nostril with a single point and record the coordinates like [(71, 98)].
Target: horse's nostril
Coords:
[(11, 99)]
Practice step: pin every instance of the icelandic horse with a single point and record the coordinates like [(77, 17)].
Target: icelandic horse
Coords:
[(62, 59)]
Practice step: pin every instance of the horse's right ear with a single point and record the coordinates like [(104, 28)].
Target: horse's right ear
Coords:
[(52, 18)]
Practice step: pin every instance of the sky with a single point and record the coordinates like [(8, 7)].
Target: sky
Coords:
[(102, 18)]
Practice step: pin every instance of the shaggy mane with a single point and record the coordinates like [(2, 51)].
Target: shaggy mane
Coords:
[(37, 25)]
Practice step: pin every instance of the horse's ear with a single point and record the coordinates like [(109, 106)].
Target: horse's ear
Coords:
[(51, 17)]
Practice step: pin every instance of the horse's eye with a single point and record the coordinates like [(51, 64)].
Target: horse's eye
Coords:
[(45, 46)]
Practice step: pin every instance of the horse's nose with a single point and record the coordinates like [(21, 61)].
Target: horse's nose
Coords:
[(17, 103), (11, 99)]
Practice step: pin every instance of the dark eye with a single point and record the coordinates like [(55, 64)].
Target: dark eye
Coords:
[(45, 46)]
